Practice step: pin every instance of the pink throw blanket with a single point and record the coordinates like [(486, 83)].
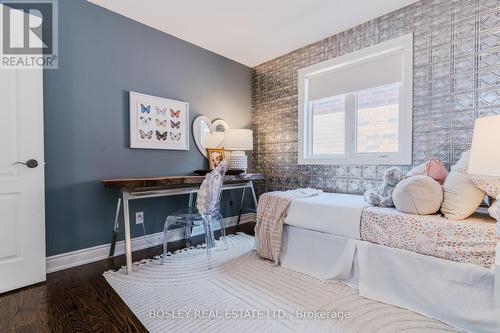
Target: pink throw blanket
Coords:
[(271, 213)]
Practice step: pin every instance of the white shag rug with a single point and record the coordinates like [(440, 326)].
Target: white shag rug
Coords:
[(246, 294)]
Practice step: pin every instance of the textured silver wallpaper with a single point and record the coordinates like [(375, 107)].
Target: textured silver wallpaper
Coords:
[(456, 80)]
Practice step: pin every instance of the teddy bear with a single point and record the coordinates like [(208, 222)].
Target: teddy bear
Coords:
[(383, 197)]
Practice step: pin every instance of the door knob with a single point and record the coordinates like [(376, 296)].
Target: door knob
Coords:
[(29, 163)]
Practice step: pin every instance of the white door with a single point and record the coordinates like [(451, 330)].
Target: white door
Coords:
[(22, 214)]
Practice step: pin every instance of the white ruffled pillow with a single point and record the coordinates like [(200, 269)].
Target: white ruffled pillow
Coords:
[(493, 210), (490, 185)]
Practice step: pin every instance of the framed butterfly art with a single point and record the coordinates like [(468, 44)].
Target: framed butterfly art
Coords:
[(158, 123)]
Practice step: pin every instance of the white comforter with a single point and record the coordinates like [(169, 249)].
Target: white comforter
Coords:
[(333, 213)]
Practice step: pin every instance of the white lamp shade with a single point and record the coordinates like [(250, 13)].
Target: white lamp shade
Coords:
[(214, 140), (485, 151), (238, 139)]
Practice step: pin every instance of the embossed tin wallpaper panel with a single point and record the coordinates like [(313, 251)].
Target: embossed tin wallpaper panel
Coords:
[(456, 80)]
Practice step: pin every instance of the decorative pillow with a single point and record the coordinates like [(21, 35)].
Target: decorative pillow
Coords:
[(420, 195), (490, 185), (433, 168), (420, 170), (461, 196), (493, 210)]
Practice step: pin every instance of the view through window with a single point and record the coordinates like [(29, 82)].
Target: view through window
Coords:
[(329, 125), (378, 119)]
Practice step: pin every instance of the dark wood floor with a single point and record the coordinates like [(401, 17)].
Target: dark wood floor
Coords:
[(77, 299)]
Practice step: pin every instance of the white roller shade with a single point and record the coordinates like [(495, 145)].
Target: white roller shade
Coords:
[(368, 73)]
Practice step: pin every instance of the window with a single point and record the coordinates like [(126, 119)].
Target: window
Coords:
[(357, 109)]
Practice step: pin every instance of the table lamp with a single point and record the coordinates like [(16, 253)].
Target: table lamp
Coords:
[(214, 140), (237, 141), (484, 166)]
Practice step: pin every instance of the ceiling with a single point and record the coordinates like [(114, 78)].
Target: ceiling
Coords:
[(252, 32)]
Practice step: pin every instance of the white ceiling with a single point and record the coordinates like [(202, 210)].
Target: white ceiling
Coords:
[(252, 31)]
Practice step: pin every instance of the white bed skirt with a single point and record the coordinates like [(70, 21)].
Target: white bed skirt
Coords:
[(461, 295), (324, 256)]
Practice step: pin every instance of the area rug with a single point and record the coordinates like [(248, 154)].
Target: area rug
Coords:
[(246, 294)]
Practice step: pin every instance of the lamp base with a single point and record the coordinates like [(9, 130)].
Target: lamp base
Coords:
[(238, 160)]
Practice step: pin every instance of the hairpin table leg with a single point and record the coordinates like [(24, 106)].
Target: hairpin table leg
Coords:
[(115, 228), (128, 240), (253, 195), (191, 201), (241, 205)]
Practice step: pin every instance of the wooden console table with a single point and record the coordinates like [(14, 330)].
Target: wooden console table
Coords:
[(153, 187)]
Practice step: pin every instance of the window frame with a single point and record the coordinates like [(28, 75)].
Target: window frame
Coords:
[(402, 44)]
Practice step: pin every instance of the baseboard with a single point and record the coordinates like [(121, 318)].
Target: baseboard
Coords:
[(84, 256)]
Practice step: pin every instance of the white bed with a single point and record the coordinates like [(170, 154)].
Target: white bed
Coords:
[(322, 238)]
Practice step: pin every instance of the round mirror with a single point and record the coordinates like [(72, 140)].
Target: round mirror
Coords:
[(220, 125)]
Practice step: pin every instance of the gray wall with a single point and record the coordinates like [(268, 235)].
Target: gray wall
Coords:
[(102, 56), (456, 80)]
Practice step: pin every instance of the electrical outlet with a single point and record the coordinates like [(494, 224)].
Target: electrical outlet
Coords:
[(139, 217)]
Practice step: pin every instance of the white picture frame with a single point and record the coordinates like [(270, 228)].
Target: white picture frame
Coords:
[(158, 123)]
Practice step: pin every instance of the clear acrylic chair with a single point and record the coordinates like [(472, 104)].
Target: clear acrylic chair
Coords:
[(206, 213)]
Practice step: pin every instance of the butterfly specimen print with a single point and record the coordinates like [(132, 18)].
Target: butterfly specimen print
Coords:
[(161, 123), (162, 136), (146, 135), (175, 124), (160, 111), (145, 121), (175, 137), (157, 122), (175, 114), (145, 109)]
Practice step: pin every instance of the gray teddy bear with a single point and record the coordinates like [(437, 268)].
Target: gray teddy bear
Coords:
[(383, 197)]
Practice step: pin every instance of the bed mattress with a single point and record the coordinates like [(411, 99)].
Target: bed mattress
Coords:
[(472, 240), (331, 213)]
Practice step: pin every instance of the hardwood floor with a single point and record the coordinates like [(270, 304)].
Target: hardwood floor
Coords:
[(78, 299)]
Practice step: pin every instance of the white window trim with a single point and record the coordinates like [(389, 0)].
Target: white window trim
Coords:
[(404, 155)]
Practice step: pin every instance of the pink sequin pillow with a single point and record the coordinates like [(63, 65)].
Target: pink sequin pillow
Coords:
[(433, 168)]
